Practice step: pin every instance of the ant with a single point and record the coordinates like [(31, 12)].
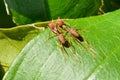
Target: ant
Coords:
[(61, 38), (74, 33)]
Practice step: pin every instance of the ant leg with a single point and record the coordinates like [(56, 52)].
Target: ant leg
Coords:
[(89, 48), (81, 43), (65, 53), (74, 53), (76, 42), (92, 50), (66, 33), (49, 36)]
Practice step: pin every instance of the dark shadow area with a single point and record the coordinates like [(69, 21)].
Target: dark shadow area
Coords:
[(47, 9), (111, 5), (5, 20), (36, 10), (2, 72)]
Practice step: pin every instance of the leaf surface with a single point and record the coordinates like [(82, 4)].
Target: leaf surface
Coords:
[(42, 58), (12, 40)]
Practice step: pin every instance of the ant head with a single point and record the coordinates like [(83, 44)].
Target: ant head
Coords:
[(60, 22), (51, 25)]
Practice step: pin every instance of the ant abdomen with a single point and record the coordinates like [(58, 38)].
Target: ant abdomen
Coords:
[(73, 32), (63, 40), (80, 38)]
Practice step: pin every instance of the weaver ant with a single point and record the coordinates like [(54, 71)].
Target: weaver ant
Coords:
[(61, 38), (74, 33)]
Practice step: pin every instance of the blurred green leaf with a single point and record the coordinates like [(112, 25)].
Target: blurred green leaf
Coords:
[(73, 8), (28, 11), (42, 58), (12, 40), (5, 19)]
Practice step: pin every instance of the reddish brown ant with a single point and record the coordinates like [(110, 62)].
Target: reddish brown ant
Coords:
[(61, 38), (74, 33)]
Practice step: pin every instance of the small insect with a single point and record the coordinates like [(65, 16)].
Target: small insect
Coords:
[(60, 36), (74, 33), (62, 40)]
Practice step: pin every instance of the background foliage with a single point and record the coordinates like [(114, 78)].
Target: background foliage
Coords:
[(12, 40)]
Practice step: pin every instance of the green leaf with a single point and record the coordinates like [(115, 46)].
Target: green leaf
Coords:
[(42, 58), (12, 41), (73, 8), (28, 11)]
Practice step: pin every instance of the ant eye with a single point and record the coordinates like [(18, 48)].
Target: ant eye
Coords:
[(60, 22), (51, 25)]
